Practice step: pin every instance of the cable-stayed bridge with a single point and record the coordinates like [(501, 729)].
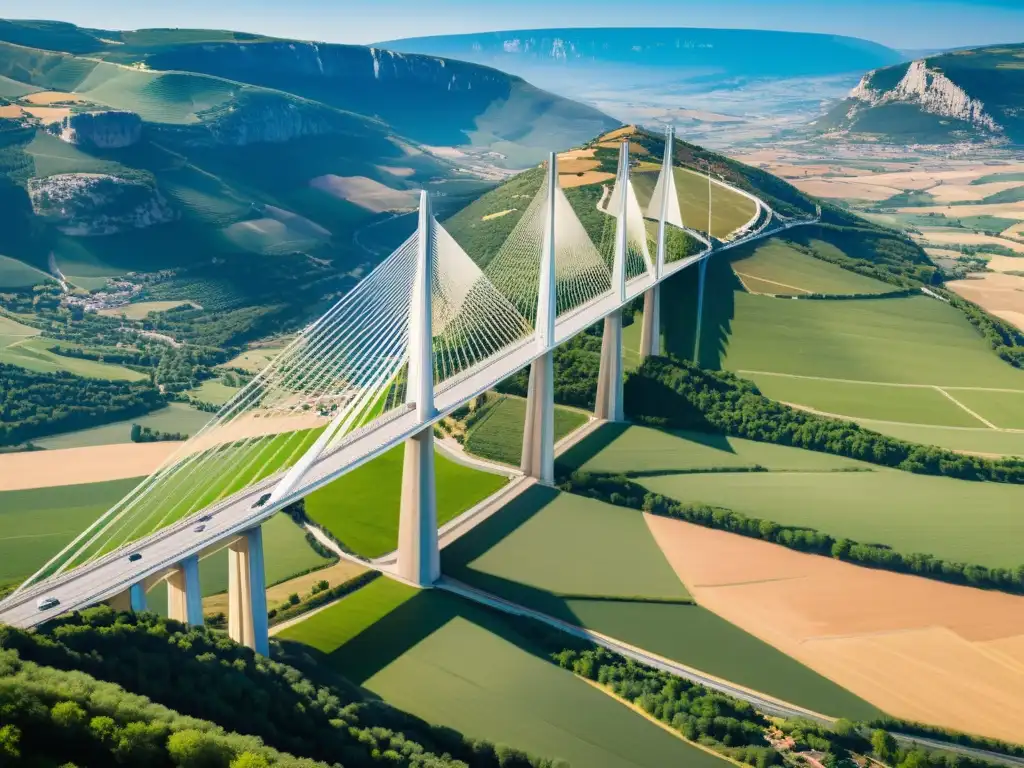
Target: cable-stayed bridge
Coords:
[(425, 332)]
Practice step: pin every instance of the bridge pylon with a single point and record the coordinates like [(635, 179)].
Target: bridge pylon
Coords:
[(419, 558), (609, 378), (184, 597), (247, 592), (650, 332), (538, 458)]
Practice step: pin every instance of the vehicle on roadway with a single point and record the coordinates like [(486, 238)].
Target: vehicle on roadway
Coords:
[(199, 528), (205, 518), (46, 603), (261, 500), (134, 556)]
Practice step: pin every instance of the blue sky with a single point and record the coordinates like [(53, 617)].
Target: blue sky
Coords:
[(897, 23)]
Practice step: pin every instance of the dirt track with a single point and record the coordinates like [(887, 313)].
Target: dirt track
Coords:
[(916, 648)]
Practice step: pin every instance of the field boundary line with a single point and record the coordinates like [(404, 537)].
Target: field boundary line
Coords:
[(980, 418), (651, 718), (773, 282), (875, 383), (869, 421)]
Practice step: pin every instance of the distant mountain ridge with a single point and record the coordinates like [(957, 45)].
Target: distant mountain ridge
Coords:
[(427, 99), (963, 95), (720, 85), (736, 52)]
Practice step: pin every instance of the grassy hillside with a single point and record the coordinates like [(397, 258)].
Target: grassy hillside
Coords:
[(257, 178)]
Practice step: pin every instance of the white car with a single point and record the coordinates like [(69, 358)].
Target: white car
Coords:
[(46, 603)]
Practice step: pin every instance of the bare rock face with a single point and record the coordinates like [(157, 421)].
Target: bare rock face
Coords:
[(932, 91), (88, 204), (101, 130)]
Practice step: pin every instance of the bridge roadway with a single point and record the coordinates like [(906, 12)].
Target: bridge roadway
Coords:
[(162, 550)]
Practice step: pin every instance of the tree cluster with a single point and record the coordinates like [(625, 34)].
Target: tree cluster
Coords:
[(36, 404), (141, 434), (51, 717), (200, 673), (728, 725), (668, 392)]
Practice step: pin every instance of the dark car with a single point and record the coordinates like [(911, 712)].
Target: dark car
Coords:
[(262, 500), (134, 556)]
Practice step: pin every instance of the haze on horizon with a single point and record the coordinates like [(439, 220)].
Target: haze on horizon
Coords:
[(900, 24)]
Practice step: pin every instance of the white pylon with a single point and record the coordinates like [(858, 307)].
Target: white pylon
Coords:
[(608, 404), (650, 333), (538, 459), (420, 388), (419, 559), (621, 227)]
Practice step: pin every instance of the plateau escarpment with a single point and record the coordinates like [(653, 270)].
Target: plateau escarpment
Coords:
[(112, 129)]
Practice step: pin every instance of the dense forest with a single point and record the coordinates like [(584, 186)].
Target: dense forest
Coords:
[(36, 404), (292, 704)]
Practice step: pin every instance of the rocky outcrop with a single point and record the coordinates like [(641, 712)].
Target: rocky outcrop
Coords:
[(260, 117), (100, 130), (88, 204), (931, 90)]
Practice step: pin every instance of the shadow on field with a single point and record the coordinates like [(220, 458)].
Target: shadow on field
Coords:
[(590, 446), (420, 617), (679, 312)]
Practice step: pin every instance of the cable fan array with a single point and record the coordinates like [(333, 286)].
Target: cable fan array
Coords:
[(341, 368), (350, 367)]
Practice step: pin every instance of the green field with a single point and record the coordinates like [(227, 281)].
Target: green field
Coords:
[(285, 553), (457, 665), (982, 440), (17, 274), (214, 392), (729, 210), (361, 508), (158, 97), (779, 268), (176, 417), (915, 340), (598, 566), (36, 524), (617, 448), (53, 156), (951, 519), (1004, 409), (256, 359), (914, 405), (498, 435), (33, 354), (11, 331), (12, 89)]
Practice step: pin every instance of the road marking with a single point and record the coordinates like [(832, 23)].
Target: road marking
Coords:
[(983, 420), (877, 383)]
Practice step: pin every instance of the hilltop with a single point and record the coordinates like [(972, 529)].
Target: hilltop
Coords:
[(963, 95)]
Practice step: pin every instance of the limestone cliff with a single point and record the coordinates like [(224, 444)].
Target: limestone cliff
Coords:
[(100, 130), (87, 204), (932, 90)]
